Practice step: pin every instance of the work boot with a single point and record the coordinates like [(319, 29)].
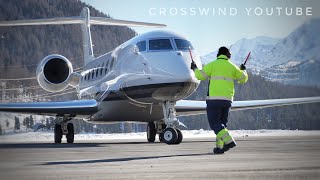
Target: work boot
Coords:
[(227, 147), (219, 149), (227, 139)]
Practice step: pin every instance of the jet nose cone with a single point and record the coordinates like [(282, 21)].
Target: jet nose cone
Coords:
[(174, 66)]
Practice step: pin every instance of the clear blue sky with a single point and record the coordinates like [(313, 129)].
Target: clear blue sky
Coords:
[(210, 30)]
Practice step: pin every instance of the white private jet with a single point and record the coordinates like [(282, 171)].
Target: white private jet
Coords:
[(144, 79)]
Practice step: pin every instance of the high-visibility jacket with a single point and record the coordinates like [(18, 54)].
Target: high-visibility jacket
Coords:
[(222, 74)]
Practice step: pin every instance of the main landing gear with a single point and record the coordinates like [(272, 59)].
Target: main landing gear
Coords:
[(64, 128), (167, 129)]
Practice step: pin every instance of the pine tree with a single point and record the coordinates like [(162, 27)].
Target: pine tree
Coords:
[(16, 123), (31, 121), (7, 123)]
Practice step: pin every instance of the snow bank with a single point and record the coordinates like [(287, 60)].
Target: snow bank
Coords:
[(48, 136)]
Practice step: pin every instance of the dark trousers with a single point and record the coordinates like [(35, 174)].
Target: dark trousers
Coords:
[(218, 113)]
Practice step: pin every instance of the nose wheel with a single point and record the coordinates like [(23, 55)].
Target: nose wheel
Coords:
[(172, 136)]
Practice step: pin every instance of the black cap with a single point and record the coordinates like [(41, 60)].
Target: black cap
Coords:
[(225, 51)]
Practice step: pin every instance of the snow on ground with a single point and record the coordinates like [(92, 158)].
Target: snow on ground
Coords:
[(48, 136)]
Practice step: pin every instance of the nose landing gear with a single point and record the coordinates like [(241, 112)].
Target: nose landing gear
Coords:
[(171, 135), (167, 129)]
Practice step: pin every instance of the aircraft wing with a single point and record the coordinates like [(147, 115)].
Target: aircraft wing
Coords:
[(189, 107), (72, 108)]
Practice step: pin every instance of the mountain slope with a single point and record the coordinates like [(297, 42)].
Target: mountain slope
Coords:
[(23, 47), (258, 46), (292, 60)]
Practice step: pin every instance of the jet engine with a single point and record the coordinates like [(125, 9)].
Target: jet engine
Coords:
[(55, 73)]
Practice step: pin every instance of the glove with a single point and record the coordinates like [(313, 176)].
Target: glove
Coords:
[(193, 66), (243, 67)]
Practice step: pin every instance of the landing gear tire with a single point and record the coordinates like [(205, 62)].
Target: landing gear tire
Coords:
[(70, 135), (57, 133), (161, 137), (180, 137), (151, 132), (161, 134), (170, 136)]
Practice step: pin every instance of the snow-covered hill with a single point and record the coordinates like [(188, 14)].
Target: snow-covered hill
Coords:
[(305, 73), (294, 59), (242, 47)]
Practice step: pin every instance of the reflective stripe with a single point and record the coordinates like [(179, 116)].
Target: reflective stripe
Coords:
[(225, 136), (221, 78), (204, 74), (228, 141), (219, 98), (222, 133), (219, 143), (242, 77)]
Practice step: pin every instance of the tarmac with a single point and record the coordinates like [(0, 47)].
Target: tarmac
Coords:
[(253, 158)]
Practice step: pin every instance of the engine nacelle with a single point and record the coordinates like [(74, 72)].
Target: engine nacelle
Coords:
[(54, 73)]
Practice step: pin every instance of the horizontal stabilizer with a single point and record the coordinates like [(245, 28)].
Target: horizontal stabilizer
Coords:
[(48, 21), (79, 20)]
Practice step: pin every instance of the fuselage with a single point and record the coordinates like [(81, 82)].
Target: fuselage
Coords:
[(135, 78)]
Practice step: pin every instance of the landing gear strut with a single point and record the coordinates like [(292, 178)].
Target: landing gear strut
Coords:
[(171, 135), (63, 128)]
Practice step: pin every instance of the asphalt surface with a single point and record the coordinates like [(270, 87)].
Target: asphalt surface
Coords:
[(253, 158)]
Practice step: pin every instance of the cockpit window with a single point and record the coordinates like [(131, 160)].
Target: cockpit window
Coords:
[(160, 44), (183, 44), (142, 46)]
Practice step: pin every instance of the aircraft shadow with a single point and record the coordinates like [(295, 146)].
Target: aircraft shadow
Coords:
[(121, 159), (79, 145)]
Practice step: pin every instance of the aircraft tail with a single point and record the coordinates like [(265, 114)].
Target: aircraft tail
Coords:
[(86, 36), (85, 20)]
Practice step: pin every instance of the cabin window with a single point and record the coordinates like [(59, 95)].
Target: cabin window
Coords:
[(112, 62), (101, 69), (92, 73), (106, 70), (142, 46), (97, 71), (160, 44), (183, 44)]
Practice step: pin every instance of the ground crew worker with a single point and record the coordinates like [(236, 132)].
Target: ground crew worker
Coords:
[(221, 74)]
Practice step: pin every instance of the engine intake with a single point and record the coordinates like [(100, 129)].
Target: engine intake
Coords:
[(54, 73)]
